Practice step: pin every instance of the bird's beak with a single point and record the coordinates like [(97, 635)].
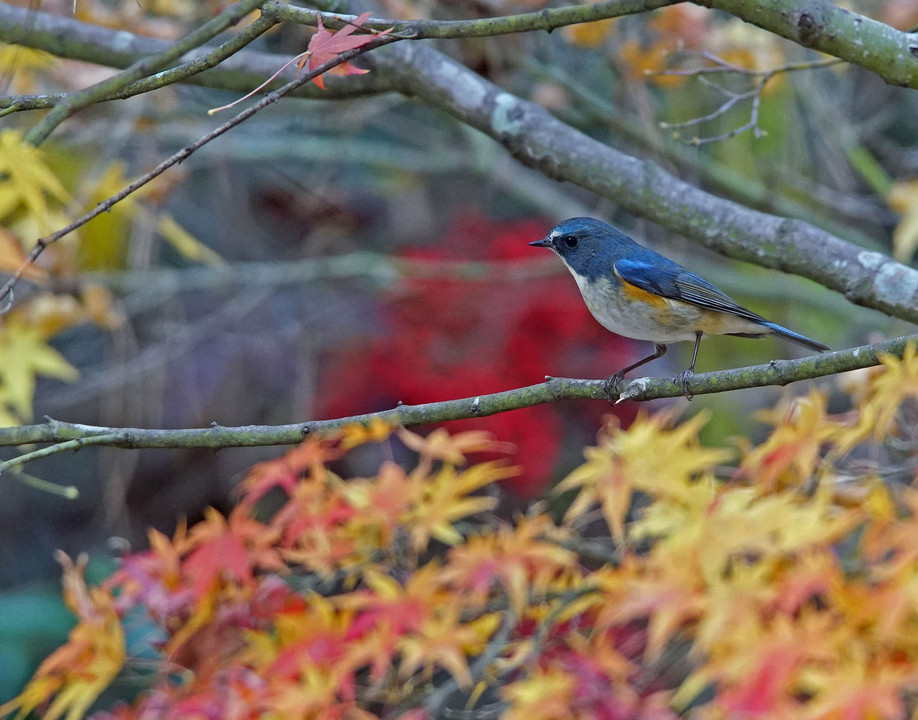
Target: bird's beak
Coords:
[(544, 242)]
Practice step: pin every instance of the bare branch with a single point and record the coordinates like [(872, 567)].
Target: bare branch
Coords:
[(547, 20), (382, 269), (72, 436)]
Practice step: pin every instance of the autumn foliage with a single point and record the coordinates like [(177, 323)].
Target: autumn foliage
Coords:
[(780, 587)]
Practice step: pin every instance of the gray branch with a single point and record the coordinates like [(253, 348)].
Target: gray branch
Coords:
[(73, 436), (818, 24)]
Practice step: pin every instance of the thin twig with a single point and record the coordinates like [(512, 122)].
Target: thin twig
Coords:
[(721, 66), (68, 492), (380, 268), (76, 444)]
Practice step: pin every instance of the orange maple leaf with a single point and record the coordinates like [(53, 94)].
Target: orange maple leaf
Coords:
[(306, 459), (325, 46), (525, 558), (441, 445), (375, 431)]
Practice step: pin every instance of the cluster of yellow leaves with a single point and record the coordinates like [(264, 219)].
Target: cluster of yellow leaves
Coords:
[(33, 203), (24, 355), (77, 672), (785, 586), (29, 189), (25, 351), (794, 580)]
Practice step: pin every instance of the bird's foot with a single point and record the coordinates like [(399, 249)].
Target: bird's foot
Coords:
[(612, 387), (684, 378)]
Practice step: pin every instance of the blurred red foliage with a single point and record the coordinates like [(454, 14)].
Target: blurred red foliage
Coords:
[(443, 338)]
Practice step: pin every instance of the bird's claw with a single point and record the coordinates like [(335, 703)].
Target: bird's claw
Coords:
[(612, 387), (684, 378)]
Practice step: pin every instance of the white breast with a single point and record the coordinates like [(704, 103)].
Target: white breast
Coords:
[(635, 319)]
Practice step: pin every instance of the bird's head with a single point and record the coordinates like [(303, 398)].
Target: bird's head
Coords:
[(587, 246)]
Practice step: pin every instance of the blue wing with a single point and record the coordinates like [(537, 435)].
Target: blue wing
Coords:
[(671, 280), (662, 276)]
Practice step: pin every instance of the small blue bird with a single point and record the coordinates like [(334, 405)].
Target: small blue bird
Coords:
[(635, 292)]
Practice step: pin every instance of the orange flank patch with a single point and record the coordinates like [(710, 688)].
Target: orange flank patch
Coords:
[(633, 292), (719, 323)]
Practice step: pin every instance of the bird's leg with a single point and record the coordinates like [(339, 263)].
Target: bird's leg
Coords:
[(686, 375), (614, 380), (658, 351)]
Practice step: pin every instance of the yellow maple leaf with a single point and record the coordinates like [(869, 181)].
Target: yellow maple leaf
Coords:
[(24, 355), (376, 430), (26, 181), (522, 558), (381, 503), (446, 498), (792, 451), (440, 445), (891, 388), (650, 456), (667, 593), (443, 639), (103, 243), (542, 695)]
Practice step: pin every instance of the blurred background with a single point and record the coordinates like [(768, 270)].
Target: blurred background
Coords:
[(330, 258)]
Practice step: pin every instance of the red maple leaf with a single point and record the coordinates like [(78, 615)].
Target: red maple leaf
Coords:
[(229, 549), (221, 555), (326, 45)]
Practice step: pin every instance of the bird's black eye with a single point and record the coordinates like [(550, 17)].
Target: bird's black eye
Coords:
[(570, 240)]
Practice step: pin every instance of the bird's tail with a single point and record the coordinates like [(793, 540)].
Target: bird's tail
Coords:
[(795, 337)]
